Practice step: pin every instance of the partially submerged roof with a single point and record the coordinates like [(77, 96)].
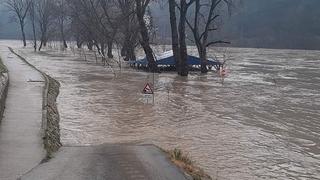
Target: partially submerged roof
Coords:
[(167, 59)]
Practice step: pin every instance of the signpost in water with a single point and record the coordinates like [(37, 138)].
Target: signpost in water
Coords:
[(148, 93)]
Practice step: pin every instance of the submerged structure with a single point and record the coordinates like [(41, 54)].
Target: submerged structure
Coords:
[(166, 61)]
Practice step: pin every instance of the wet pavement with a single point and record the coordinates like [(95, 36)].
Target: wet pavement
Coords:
[(21, 146), (114, 162), (262, 123)]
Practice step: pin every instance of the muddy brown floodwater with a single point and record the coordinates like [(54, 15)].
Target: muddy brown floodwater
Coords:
[(262, 123)]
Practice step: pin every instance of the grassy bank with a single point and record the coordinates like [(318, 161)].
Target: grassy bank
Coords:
[(4, 82), (3, 68), (51, 126), (184, 162)]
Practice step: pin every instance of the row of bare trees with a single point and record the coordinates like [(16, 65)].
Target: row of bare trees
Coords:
[(103, 23), (44, 16)]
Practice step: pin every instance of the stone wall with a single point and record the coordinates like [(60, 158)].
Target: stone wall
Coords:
[(4, 83), (51, 122)]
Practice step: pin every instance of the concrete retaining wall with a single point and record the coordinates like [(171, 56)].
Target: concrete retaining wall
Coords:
[(4, 83)]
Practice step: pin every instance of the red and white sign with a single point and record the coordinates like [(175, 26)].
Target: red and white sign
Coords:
[(147, 89)]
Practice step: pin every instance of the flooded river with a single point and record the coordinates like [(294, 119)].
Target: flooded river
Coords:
[(262, 123)]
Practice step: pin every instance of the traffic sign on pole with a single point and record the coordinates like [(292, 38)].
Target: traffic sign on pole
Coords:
[(147, 89)]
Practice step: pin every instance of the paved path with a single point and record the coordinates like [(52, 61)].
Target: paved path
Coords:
[(21, 146), (107, 162)]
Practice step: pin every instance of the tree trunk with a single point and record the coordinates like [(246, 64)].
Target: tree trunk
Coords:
[(203, 59), (174, 34), (32, 18), (34, 35), (124, 50), (79, 41), (145, 38), (131, 54), (43, 41), (40, 47), (184, 69), (97, 46), (90, 45), (128, 52), (103, 49), (65, 45), (62, 16), (128, 44), (110, 55), (23, 33)]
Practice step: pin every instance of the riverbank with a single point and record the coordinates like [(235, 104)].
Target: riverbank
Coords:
[(4, 82), (184, 162)]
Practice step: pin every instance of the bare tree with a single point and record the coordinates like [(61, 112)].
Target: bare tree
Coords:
[(141, 6), (174, 33), (179, 45), (44, 10), (112, 15), (205, 15), (102, 23), (61, 16), (97, 19), (129, 29), (32, 17), (182, 37), (20, 8)]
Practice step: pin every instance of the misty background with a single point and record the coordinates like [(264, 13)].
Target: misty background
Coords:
[(289, 24)]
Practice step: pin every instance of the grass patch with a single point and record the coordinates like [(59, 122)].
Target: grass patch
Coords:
[(3, 68), (184, 162)]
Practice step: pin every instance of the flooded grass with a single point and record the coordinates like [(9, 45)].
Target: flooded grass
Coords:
[(3, 68), (184, 162)]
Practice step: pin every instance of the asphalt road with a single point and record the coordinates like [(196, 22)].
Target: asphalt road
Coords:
[(104, 162)]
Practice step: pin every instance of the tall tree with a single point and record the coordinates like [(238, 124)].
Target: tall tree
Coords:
[(141, 6), (182, 38), (97, 18), (61, 10), (179, 45), (20, 8), (204, 22), (174, 33), (32, 16), (130, 29), (44, 10)]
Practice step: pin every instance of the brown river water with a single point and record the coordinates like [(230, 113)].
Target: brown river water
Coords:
[(262, 123)]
